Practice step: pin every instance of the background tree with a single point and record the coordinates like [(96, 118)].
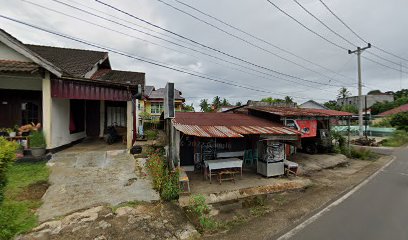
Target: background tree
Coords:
[(401, 94), (400, 121), (332, 104), (343, 93), (188, 108), (204, 106), (349, 108), (238, 104), (225, 103), (288, 99), (374, 92), (216, 103), (272, 100)]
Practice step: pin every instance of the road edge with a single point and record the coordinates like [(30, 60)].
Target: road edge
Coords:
[(321, 212)]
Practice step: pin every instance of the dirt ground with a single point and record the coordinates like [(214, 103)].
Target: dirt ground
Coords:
[(266, 217)]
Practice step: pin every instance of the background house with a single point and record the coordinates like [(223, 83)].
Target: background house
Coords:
[(74, 93), (311, 104), (371, 99), (153, 100)]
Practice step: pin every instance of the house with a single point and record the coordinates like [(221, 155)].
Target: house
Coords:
[(200, 136), (370, 98), (74, 93), (153, 100), (403, 108), (311, 104)]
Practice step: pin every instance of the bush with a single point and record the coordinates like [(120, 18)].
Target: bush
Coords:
[(199, 210), (151, 134), (165, 181), (362, 154), (400, 121), (398, 138), (37, 139), (7, 155)]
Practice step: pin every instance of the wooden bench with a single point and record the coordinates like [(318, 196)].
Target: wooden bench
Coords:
[(230, 173)]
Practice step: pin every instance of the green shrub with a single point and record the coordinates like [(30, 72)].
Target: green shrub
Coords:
[(400, 121), (398, 138), (362, 154), (385, 122), (151, 134), (199, 210), (37, 139), (165, 181), (7, 155)]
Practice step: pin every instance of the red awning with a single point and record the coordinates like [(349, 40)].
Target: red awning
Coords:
[(71, 89)]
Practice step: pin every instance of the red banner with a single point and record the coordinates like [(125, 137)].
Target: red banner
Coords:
[(308, 128)]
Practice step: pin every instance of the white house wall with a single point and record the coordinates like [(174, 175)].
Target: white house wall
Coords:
[(60, 116), (6, 53)]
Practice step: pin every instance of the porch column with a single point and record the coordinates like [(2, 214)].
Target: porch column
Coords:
[(101, 118), (129, 124), (47, 109)]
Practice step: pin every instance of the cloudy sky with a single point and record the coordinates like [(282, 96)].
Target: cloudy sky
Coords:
[(309, 67)]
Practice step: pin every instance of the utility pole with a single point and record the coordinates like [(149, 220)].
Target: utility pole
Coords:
[(360, 88)]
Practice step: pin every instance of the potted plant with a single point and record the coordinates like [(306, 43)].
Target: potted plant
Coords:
[(37, 144), (11, 132), (3, 132)]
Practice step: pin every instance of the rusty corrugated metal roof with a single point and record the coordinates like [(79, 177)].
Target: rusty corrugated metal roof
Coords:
[(301, 112), (226, 125)]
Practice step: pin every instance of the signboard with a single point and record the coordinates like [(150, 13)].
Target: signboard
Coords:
[(308, 128)]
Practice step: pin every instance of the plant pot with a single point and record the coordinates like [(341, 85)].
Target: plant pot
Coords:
[(38, 151), (12, 134)]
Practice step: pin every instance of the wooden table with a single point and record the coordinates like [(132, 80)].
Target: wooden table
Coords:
[(226, 163)]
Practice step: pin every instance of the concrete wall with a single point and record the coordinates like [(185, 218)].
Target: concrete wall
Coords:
[(60, 117), (371, 99), (7, 53)]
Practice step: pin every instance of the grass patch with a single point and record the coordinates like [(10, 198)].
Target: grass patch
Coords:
[(126, 204), (398, 139), (151, 134), (363, 154), (26, 183)]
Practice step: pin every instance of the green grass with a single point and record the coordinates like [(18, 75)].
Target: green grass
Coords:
[(363, 154), (16, 213), (398, 139), (151, 134)]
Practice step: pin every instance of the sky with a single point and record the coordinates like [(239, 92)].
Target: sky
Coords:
[(282, 58)]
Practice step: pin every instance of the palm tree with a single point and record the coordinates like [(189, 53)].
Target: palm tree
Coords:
[(343, 93), (288, 99), (225, 103), (205, 107), (216, 102)]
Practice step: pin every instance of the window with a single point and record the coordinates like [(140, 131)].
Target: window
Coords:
[(77, 116), (29, 113), (157, 108)]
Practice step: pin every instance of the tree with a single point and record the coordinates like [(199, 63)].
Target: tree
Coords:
[(272, 100), (401, 94), (374, 92), (349, 108), (400, 121), (332, 105), (225, 103), (238, 104), (204, 106), (343, 93), (216, 102), (288, 99), (188, 108)]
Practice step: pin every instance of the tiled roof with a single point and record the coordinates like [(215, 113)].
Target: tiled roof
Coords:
[(17, 66), (225, 125), (133, 78), (403, 108), (159, 94), (73, 62), (301, 112), (148, 90)]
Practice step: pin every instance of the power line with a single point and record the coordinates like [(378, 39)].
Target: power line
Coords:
[(243, 40), (261, 39), (146, 60), (208, 47), (357, 35), (179, 45), (371, 60)]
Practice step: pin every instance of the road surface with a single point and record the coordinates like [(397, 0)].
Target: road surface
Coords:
[(377, 210)]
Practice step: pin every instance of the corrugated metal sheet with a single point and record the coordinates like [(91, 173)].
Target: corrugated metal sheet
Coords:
[(232, 131), (301, 112), (88, 91)]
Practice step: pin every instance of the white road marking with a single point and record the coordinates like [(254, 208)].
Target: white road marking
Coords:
[(301, 226)]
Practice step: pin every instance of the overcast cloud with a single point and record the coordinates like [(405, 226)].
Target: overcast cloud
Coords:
[(383, 23)]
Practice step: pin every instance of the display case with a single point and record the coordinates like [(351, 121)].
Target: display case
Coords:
[(272, 155)]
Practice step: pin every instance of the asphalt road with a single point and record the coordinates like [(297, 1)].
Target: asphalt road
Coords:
[(377, 210)]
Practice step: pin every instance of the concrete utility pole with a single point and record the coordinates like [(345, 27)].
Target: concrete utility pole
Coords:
[(360, 88)]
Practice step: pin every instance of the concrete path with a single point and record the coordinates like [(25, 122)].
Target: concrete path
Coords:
[(82, 179), (376, 210)]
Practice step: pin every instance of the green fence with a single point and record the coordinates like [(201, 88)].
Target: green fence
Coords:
[(371, 131)]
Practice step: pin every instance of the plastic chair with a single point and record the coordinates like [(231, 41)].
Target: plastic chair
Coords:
[(248, 157)]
